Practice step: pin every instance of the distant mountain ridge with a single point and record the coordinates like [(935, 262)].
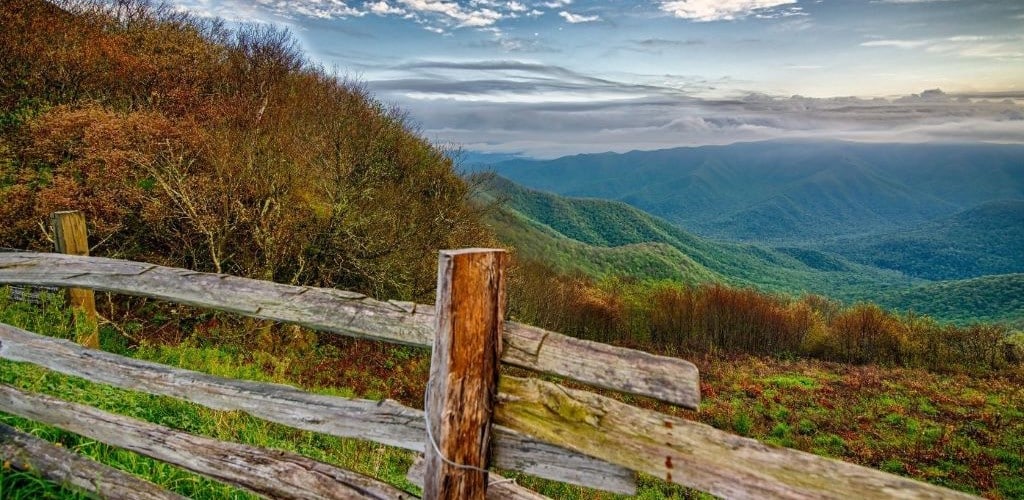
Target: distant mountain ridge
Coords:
[(603, 238), (569, 232), (998, 298), (789, 192), (987, 239)]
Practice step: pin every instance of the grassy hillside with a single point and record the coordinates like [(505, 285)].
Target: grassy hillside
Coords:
[(534, 240), (983, 240), (193, 144), (788, 192), (580, 232), (957, 431)]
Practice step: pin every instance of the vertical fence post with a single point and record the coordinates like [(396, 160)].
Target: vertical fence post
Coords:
[(464, 371), (70, 237)]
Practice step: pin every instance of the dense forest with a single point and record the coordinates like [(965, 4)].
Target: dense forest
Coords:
[(786, 193), (191, 144)]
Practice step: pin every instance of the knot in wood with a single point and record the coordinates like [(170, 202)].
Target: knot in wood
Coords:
[(564, 405)]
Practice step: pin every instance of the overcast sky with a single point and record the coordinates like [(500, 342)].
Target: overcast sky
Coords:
[(553, 77)]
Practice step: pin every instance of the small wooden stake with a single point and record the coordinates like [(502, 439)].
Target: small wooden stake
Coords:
[(70, 237), (470, 312)]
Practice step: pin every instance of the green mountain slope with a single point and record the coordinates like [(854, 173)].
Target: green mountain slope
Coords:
[(985, 240), (534, 240), (788, 192), (603, 237), (988, 298)]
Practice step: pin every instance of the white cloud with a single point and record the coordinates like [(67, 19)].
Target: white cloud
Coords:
[(554, 4), (545, 110), (382, 8), (908, 1), (319, 9), (256, 11), (578, 18), (901, 44), (718, 10), (973, 46), (464, 18)]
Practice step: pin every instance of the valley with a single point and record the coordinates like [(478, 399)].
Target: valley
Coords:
[(849, 221)]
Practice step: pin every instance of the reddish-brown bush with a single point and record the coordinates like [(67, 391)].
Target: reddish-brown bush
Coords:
[(715, 318), (225, 150)]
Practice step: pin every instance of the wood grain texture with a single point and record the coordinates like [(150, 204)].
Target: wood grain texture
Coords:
[(271, 473), (71, 237), (667, 379), (498, 488), (28, 453), (470, 314), (386, 422), (690, 453)]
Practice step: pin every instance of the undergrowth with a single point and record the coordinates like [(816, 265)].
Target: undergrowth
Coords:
[(959, 431)]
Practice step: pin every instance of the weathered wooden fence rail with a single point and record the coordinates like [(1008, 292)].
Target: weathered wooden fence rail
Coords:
[(539, 428), (29, 294), (385, 422), (668, 379)]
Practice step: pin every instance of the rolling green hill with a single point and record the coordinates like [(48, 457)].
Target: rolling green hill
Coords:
[(600, 237), (985, 240), (656, 261), (988, 298), (788, 192)]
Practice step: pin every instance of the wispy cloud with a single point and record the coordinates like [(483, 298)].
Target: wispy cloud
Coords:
[(578, 18), (649, 77), (316, 9), (453, 11), (382, 8), (664, 42), (909, 1), (720, 10), (546, 110), (901, 44), (975, 46)]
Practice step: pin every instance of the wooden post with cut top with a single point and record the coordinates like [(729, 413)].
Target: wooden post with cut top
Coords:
[(71, 237), (470, 313)]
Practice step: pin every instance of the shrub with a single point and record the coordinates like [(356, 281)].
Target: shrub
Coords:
[(190, 144), (671, 318)]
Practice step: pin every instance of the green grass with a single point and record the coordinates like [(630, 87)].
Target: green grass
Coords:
[(383, 462), (960, 432), (386, 463), (957, 431), (17, 485)]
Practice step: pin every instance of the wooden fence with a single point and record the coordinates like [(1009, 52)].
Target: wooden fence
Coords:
[(474, 420), (28, 294)]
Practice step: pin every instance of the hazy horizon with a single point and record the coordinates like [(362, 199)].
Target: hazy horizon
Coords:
[(553, 77)]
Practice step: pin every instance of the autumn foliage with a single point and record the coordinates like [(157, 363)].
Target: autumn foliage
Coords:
[(191, 144), (714, 318)]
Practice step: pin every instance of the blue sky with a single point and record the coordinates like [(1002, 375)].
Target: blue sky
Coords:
[(554, 77)]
